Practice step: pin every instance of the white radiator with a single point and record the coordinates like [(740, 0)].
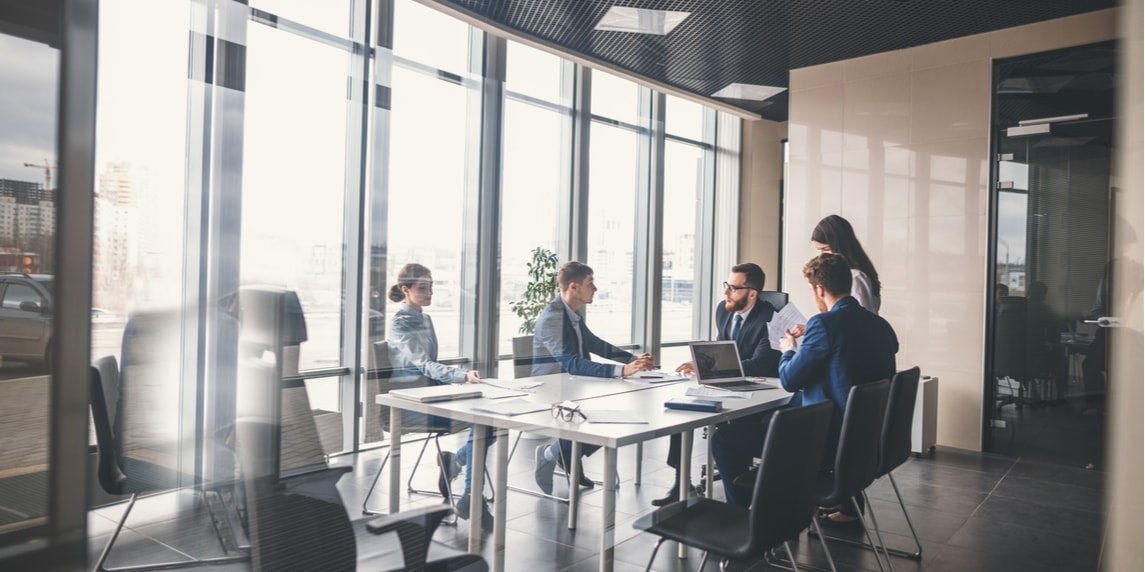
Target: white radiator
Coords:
[(925, 427)]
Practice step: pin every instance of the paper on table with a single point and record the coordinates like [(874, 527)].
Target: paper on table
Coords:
[(496, 392), (511, 407), (710, 393), (511, 383), (655, 376), (783, 320), (612, 416)]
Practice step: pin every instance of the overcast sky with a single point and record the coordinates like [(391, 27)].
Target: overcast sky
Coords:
[(28, 73)]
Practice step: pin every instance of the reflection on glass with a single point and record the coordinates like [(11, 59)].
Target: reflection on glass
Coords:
[(613, 179), (331, 16), (534, 162), (294, 173), (429, 37), (683, 118), (1011, 262), (27, 264), (534, 73), (615, 98), (683, 190), (426, 221)]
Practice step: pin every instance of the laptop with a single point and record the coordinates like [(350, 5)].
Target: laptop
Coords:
[(435, 393), (718, 366)]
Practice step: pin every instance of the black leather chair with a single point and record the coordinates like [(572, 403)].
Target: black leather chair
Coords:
[(299, 523), (776, 299), (384, 375), (895, 447), (783, 502), (857, 458), (119, 471)]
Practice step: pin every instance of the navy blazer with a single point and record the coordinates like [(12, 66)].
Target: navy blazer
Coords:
[(755, 351), (841, 348), (555, 346)]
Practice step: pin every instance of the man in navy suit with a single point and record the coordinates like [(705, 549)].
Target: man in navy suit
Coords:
[(743, 318), (562, 342), (842, 346)]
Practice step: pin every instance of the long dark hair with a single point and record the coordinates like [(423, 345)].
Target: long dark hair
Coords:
[(407, 276), (837, 234)]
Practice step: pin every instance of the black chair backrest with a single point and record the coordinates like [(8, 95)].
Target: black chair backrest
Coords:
[(857, 457), (776, 299), (899, 420), (103, 386), (522, 356), (1010, 355), (783, 501)]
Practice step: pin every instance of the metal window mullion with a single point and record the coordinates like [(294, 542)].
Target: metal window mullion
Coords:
[(219, 267), (647, 245), (68, 393), (724, 233), (704, 273), (360, 99), (577, 218), (489, 208), (570, 166), (471, 198)]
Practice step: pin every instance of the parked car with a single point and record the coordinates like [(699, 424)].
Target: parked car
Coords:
[(26, 309)]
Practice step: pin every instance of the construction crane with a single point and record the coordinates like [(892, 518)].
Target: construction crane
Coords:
[(47, 167)]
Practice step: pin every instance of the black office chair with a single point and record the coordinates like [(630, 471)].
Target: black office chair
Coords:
[(777, 300), (782, 505), (857, 458), (419, 424), (299, 523), (120, 472), (895, 447)]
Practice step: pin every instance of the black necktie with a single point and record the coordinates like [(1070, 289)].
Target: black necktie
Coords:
[(735, 327)]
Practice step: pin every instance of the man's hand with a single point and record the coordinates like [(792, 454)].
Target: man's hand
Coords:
[(686, 368), (788, 341), (472, 376), (798, 330), (643, 362)]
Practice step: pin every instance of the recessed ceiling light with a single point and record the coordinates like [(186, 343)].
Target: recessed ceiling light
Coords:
[(748, 91), (640, 20)]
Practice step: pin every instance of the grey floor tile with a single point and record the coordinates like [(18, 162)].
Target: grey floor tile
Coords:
[(1049, 493), (1038, 548)]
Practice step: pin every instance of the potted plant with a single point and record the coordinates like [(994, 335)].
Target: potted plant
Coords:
[(539, 291)]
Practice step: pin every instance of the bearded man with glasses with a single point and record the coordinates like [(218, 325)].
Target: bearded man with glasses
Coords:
[(740, 317)]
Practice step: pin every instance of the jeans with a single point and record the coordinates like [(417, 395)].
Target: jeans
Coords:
[(465, 454)]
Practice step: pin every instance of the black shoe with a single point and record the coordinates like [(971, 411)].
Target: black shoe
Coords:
[(462, 511), (447, 462), (673, 495), (582, 480)]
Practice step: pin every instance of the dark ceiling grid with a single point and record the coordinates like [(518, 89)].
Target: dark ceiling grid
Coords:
[(760, 41)]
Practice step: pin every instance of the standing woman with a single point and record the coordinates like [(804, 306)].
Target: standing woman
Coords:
[(413, 351), (834, 234)]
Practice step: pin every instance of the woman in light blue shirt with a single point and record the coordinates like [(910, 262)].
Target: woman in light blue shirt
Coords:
[(413, 353)]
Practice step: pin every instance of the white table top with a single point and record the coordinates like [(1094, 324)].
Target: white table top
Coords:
[(644, 401)]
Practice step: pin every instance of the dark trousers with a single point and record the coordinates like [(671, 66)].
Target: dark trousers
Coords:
[(1093, 369)]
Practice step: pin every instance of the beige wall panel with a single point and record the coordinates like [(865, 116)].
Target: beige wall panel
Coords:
[(918, 203)]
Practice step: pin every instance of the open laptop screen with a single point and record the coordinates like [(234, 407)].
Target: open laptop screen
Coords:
[(716, 361)]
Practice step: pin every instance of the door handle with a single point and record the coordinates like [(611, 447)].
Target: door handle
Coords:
[(1105, 322)]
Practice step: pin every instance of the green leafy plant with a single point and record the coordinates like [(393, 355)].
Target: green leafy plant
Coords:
[(540, 290)]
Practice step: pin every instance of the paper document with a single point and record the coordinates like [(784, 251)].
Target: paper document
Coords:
[(718, 394), (655, 376), (612, 416), (783, 320), (512, 383), (511, 407), (497, 392)]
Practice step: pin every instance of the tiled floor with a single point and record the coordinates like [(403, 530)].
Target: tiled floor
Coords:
[(971, 511)]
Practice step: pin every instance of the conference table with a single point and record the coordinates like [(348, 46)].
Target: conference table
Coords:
[(639, 399)]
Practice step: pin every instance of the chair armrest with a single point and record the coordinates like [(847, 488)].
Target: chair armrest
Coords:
[(414, 529), (422, 516), (746, 480)]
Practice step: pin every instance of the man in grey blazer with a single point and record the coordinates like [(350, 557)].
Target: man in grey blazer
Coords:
[(562, 343)]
